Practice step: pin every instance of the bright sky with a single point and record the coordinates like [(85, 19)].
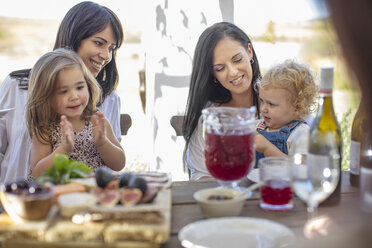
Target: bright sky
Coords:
[(258, 11)]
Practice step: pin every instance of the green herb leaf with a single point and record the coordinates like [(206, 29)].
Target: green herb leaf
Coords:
[(63, 170)]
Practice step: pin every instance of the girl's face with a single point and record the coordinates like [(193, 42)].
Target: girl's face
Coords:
[(231, 65), (275, 108), (96, 50), (72, 94)]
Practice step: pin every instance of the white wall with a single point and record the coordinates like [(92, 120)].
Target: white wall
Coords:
[(169, 39)]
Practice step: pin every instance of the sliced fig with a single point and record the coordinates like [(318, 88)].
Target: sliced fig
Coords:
[(124, 179), (138, 183), (109, 198), (96, 192), (150, 195), (103, 176), (112, 185), (129, 197)]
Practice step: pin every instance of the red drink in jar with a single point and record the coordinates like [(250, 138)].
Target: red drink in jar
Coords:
[(229, 157)]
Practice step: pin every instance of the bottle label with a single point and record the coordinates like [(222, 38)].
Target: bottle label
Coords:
[(354, 157), (366, 189)]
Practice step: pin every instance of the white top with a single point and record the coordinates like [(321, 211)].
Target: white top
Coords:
[(194, 156), (111, 109), (15, 143)]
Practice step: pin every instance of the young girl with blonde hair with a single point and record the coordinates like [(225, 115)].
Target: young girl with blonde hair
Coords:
[(286, 94), (62, 115)]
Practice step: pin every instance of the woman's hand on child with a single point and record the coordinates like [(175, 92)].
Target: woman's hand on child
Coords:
[(99, 129), (67, 143)]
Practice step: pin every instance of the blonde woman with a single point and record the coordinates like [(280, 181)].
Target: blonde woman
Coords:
[(62, 115)]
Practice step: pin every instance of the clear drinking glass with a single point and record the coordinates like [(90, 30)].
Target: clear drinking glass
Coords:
[(276, 193), (229, 137), (313, 179)]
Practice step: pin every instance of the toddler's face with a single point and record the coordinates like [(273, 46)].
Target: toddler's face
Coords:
[(276, 109), (71, 95)]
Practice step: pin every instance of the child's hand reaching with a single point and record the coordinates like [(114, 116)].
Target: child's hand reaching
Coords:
[(67, 143), (99, 129), (264, 146), (261, 142)]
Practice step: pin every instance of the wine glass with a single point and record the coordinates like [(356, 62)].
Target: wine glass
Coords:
[(314, 177), (229, 135)]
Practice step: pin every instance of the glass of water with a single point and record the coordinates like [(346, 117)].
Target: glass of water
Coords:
[(313, 180)]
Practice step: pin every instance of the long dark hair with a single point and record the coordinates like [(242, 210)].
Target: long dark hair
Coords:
[(202, 88), (82, 21)]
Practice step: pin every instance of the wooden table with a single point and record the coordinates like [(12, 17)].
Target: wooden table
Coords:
[(185, 210)]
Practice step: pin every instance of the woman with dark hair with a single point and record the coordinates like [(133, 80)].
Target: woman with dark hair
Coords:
[(95, 33), (225, 72)]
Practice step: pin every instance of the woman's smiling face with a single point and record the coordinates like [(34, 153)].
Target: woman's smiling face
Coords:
[(231, 65), (96, 50)]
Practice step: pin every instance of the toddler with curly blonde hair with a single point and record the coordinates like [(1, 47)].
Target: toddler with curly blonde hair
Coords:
[(287, 97)]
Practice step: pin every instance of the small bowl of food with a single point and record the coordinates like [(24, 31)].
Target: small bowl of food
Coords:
[(26, 201), (220, 202)]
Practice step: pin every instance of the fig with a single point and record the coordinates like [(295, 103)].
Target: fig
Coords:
[(103, 176), (109, 198), (150, 195), (138, 183), (124, 179), (112, 185), (96, 192), (129, 197)]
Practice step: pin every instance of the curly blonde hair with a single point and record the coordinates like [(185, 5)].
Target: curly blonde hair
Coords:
[(296, 78), (42, 90)]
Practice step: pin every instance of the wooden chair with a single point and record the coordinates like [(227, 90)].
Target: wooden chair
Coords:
[(125, 123), (176, 122)]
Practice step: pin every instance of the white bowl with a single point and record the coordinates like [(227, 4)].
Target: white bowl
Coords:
[(220, 208)]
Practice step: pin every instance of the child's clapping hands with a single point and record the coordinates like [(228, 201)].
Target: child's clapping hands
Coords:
[(99, 129), (67, 143)]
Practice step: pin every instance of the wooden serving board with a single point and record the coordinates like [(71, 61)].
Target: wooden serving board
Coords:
[(55, 231)]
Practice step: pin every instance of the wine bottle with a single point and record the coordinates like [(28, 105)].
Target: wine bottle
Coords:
[(357, 137), (325, 143)]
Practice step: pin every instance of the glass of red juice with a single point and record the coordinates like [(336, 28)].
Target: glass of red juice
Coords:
[(229, 152), (276, 192)]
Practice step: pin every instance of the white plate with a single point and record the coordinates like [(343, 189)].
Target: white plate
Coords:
[(4, 111), (235, 232), (254, 175)]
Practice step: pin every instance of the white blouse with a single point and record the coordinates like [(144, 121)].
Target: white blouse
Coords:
[(111, 109), (194, 156), (15, 143)]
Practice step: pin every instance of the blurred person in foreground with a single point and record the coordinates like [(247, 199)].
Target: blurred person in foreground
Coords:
[(350, 20)]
